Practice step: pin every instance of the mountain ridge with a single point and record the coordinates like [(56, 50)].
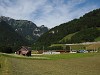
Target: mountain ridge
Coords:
[(89, 20), (10, 38), (25, 28)]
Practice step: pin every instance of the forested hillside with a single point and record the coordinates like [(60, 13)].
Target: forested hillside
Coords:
[(86, 28), (9, 39), (90, 34), (25, 28)]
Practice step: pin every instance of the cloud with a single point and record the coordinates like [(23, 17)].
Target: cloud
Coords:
[(45, 12), (19, 9), (60, 12)]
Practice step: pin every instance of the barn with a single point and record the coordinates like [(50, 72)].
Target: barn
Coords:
[(24, 50)]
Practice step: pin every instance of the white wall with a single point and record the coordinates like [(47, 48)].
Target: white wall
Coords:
[(51, 52)]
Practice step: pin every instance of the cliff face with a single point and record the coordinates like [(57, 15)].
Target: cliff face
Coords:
[(25, 28)]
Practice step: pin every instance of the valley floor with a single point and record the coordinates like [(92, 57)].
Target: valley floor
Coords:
[(89, 65)]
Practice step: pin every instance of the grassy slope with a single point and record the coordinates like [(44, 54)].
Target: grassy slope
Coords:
[(68, 37), (89, 65), (98, 38)]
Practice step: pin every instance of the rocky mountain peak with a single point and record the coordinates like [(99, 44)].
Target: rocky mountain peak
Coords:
[(25, 28)]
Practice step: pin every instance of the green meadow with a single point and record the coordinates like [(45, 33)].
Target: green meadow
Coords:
[(60, 64)]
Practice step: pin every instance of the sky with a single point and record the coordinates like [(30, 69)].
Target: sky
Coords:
[(47, 12)]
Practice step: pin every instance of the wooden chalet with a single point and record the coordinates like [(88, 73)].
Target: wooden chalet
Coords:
[(24, 50)]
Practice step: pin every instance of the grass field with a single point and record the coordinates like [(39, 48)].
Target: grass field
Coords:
[(63, 64)]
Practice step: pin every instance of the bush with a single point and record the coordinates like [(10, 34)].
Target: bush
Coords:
[(5, 49)]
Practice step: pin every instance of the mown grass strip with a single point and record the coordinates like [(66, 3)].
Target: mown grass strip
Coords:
[(69, 56), (52, 56), (25, 57)]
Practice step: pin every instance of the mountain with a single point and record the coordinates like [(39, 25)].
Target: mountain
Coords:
[(84, 29), (10, 38), (26, 28)]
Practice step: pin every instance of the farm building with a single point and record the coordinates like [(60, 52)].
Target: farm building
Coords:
[(87, 46), (80, 47), (24, 50)]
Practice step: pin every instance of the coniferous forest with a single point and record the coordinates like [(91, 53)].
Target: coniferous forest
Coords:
[(84, 29), (10, 40)]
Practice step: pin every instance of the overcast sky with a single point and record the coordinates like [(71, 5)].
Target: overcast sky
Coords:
[(47, 12)]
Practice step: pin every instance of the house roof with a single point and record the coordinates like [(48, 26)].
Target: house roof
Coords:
[(26, 48)]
